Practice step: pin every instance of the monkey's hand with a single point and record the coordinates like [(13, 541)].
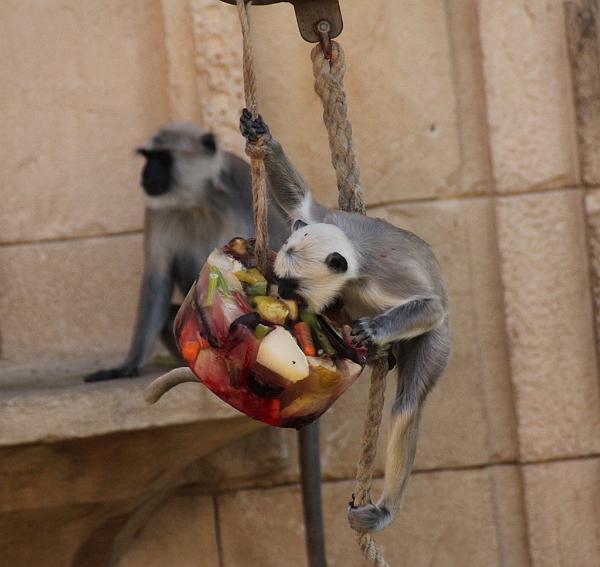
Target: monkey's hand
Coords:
[(365, 333), (368, 518), (125, 371), (254, 130)]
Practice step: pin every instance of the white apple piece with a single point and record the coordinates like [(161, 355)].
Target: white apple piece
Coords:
[(280, 353)]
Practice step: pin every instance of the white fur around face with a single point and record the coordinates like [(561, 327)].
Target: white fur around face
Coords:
[(303, 257)]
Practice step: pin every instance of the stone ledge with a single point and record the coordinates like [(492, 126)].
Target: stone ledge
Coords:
[(59, 406)]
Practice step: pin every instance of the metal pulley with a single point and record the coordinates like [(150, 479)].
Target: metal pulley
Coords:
[(318, 20)]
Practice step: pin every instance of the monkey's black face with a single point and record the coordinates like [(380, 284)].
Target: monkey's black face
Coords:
[(157, 175), (287, 288)]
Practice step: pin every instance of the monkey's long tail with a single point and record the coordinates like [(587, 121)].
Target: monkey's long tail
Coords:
[(164, 383)]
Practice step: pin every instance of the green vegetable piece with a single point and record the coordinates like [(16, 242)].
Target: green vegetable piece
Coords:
[(312, 321), (221, 283), (271, 309), (251, 276), (213, 281), (259, 288), (261, 331)]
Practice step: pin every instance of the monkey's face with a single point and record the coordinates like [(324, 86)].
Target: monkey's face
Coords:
[(315, 263), (180, 158)]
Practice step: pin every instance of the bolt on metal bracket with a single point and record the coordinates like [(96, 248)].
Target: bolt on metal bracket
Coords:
[(311, 15)]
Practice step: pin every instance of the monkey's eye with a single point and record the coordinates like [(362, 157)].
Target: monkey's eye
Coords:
[(336, 262), (298, 224), (209, 142)]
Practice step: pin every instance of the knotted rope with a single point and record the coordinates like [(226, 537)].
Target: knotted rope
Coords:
[(254, 151), (329, 85)]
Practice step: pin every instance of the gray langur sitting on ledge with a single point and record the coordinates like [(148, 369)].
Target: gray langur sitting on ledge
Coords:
[(391, 285)]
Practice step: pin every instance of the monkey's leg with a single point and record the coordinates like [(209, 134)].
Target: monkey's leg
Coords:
[(310, 469), (153, 311), (421, 362), (166, 333), (400, 323), (285, 182)]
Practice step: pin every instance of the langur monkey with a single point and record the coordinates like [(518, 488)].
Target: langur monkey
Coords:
[(391, 285), (198, 197)]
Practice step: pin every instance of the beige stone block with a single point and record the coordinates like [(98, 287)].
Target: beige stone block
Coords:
[(406, 113), (449, 518), (180, 532), (85, 88), (469, 417), (592, 212), (583, 38), (528, 94), (219, 78), (69, 298), (180, 54), (563, 512), (550, 330)]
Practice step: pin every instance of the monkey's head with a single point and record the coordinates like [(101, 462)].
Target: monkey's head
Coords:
[(315, 263), (180, 159)]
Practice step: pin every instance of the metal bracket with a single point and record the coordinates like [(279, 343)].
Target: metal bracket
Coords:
[(309, 14)]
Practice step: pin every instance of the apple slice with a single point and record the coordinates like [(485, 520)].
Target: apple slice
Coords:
[(280, 353)]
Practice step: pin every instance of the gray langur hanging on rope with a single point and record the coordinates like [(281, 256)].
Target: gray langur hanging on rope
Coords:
[(391, 285), (197, 198)]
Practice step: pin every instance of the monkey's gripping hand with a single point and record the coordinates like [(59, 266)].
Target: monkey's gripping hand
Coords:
[(368, 518), (254, 130)]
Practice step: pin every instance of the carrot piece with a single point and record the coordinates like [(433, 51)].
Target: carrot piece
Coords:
[(303, 333)]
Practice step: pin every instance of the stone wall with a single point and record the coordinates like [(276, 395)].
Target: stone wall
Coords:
[(476, 124)]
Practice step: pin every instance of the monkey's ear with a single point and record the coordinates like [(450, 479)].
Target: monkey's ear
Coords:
[(298, 224), (336, 262), (209, 142)]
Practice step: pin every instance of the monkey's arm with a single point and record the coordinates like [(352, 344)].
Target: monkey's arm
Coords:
[(285, 182), (406, 321), (153, 310)]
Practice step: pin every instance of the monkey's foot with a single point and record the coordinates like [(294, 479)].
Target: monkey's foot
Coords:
[(253, 129), (368, 518), (125, 371)]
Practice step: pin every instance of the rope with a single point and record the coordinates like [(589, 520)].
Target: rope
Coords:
[(255, 152), (329, 85)]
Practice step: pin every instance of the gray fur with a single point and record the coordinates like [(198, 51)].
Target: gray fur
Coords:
[(209, 203), (398, 299)]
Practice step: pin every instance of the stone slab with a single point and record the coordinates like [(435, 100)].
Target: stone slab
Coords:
[(401, 93), (563, 512), (71, 298), (449, 518), (551, 339), (528, 94), (81, 92), (181, 532)]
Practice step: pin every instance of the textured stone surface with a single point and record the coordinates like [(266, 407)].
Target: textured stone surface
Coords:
[(77, 103), (39, 415), (528, 93), (181, 533), (449, 518), (218, 58), (582, 34), (550, 330), (592, 210), (108, 468), (69, 298), (563, 513), (406, 126), (180, 54)]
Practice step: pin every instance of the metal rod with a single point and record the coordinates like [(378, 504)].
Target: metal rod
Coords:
[(310, 466)]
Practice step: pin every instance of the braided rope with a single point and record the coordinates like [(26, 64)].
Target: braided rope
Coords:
[(329, 85), (259, 188)]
